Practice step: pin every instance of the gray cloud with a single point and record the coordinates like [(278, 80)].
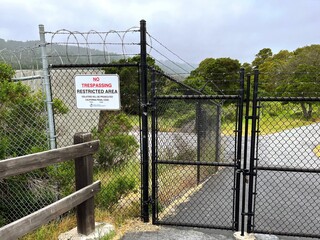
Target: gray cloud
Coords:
[(193, 30)]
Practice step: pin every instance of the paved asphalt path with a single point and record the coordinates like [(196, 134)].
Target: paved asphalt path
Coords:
[(179, 233), (285, 201), (289, 201)]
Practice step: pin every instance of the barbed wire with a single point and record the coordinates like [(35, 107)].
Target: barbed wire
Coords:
[(176, 55), (284, 72), (92, 46), (22, 58), (162, 58)]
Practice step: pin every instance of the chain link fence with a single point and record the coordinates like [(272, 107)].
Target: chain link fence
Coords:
[(26, 128), (288, 167), (23, 130), (194, 155), (117, 163)]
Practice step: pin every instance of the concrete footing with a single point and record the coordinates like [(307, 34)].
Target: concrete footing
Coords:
[(101, 229), (252, 236), (246, 236)]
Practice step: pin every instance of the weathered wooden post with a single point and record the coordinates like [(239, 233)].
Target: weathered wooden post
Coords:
[(84, 177)]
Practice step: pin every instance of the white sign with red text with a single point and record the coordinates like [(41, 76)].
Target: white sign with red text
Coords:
[(98, 92)]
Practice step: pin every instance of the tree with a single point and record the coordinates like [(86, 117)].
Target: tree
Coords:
[(129, 82), (22, 131), (23, 125), (293, 74), (216, 76), (117, 145), (273, 73), (129, 87), (261, 57), (247, 67), (305, 65)]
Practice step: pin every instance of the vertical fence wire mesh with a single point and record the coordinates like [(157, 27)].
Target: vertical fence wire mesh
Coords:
[(117, 163), (24, 127), (288, 167), (23, 130), (193, 133)]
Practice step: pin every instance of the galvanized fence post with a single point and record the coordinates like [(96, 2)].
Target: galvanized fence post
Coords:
[(47, 87)]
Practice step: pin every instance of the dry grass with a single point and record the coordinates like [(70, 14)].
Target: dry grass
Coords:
[(316, 150), (53, 229)]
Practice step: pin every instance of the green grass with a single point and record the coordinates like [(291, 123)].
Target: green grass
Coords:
[(273, 117), (268, 125)]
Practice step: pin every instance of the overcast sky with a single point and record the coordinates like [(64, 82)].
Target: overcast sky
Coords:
[(194, 30)]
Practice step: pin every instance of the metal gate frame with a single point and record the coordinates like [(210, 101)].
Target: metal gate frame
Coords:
[(237, 165), (255, 169), (246, 158)]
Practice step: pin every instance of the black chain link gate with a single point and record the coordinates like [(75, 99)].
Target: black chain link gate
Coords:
[(248, 181)]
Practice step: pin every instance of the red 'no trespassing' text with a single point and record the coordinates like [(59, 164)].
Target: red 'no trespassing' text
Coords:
[(96, 85)]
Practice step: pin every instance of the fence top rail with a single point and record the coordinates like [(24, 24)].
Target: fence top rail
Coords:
[(44, 215), (98, 65), (288, 99), (212, 97), (27, 163)]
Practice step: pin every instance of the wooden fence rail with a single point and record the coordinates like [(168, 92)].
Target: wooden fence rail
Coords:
[(81, 152)]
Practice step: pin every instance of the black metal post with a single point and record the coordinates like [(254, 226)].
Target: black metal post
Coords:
[(154, 148), (218, 134), (245, 155), (144, 119), (252, 152), (238, 156), (199, 136)]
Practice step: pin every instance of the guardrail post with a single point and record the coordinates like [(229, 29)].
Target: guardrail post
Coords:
[(84, 177)]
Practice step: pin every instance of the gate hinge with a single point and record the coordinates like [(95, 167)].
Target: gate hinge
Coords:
[(252, 117), (246, 172), (150, 200), (241, 170), (149, 104), (247, 214)]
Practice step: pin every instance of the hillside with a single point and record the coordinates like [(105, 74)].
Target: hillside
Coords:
[(19, 55)]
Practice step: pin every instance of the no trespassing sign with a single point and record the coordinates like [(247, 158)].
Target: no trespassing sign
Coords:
[(98, 92)]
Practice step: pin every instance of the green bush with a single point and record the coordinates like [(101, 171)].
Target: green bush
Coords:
[(116, 143), (22, 197), (184, 119), (23, 130), (122, 181), (112, 192)]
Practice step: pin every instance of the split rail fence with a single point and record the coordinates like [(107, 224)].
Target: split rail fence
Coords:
[(82, 153)]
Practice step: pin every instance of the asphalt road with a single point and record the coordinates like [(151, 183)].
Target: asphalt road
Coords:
[(289, 201), (286, 202)]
